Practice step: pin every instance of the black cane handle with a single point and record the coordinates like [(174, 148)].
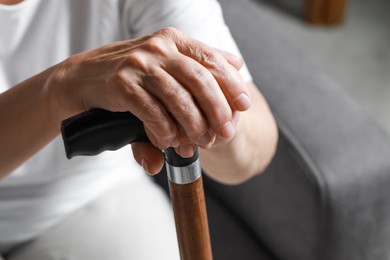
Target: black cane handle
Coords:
[(98, 130)]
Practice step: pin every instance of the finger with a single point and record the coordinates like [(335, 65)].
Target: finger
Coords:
[(134, 98), (187, 149), (214, 138), (206, 92), (148, 156), (223, 141), (180, 104), (236, 61), (226, 75)]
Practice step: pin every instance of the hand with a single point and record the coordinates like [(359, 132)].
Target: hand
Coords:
[(184, 91)]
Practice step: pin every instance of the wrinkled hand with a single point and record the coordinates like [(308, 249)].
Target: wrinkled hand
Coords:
[(184, 91)]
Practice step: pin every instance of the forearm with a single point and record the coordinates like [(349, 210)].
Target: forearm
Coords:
[(26, 120), (250, 151)]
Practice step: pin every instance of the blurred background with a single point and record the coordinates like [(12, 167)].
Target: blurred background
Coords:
[(355, 53)]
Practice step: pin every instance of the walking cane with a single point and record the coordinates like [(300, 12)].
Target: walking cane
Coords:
[(98, 130)]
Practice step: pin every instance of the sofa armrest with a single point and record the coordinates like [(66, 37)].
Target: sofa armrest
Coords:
[(325, 195)]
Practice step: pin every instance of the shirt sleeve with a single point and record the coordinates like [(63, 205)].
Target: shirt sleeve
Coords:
[(201, 19)]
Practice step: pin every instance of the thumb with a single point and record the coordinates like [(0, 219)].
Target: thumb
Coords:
[(148, 156)]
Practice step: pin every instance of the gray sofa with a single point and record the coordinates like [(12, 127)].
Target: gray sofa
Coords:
[(326, 194)]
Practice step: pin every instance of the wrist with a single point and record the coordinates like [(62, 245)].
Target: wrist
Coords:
[(62, 100)]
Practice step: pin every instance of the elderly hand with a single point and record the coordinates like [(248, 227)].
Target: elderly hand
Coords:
[(184, 91)]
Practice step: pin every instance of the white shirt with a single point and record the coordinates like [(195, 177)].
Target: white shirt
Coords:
[(37, 34)]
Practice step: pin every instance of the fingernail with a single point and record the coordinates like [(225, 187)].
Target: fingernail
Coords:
[(186, 150), (227, 130), (205, 139), (145, 165), (243, 102), (175, 142)]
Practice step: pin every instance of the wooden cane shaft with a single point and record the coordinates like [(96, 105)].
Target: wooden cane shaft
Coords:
[(192, 228)]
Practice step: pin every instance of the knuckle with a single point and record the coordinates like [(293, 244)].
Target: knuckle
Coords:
[(211, 59), (156, 45), (119, 78), (165, 137), (153, 112), (220, 116), (203, 77), (138, 60), (190, 115), (176, 95), (122, 91), (121, 83), (195, 131), (159, 124), (168, 31), (183, 105)]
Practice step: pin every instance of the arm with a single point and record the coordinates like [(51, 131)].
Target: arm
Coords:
[(252, 148), (27, 121)]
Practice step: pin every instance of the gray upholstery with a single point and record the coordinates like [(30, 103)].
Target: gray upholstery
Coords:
[(326, 193)]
